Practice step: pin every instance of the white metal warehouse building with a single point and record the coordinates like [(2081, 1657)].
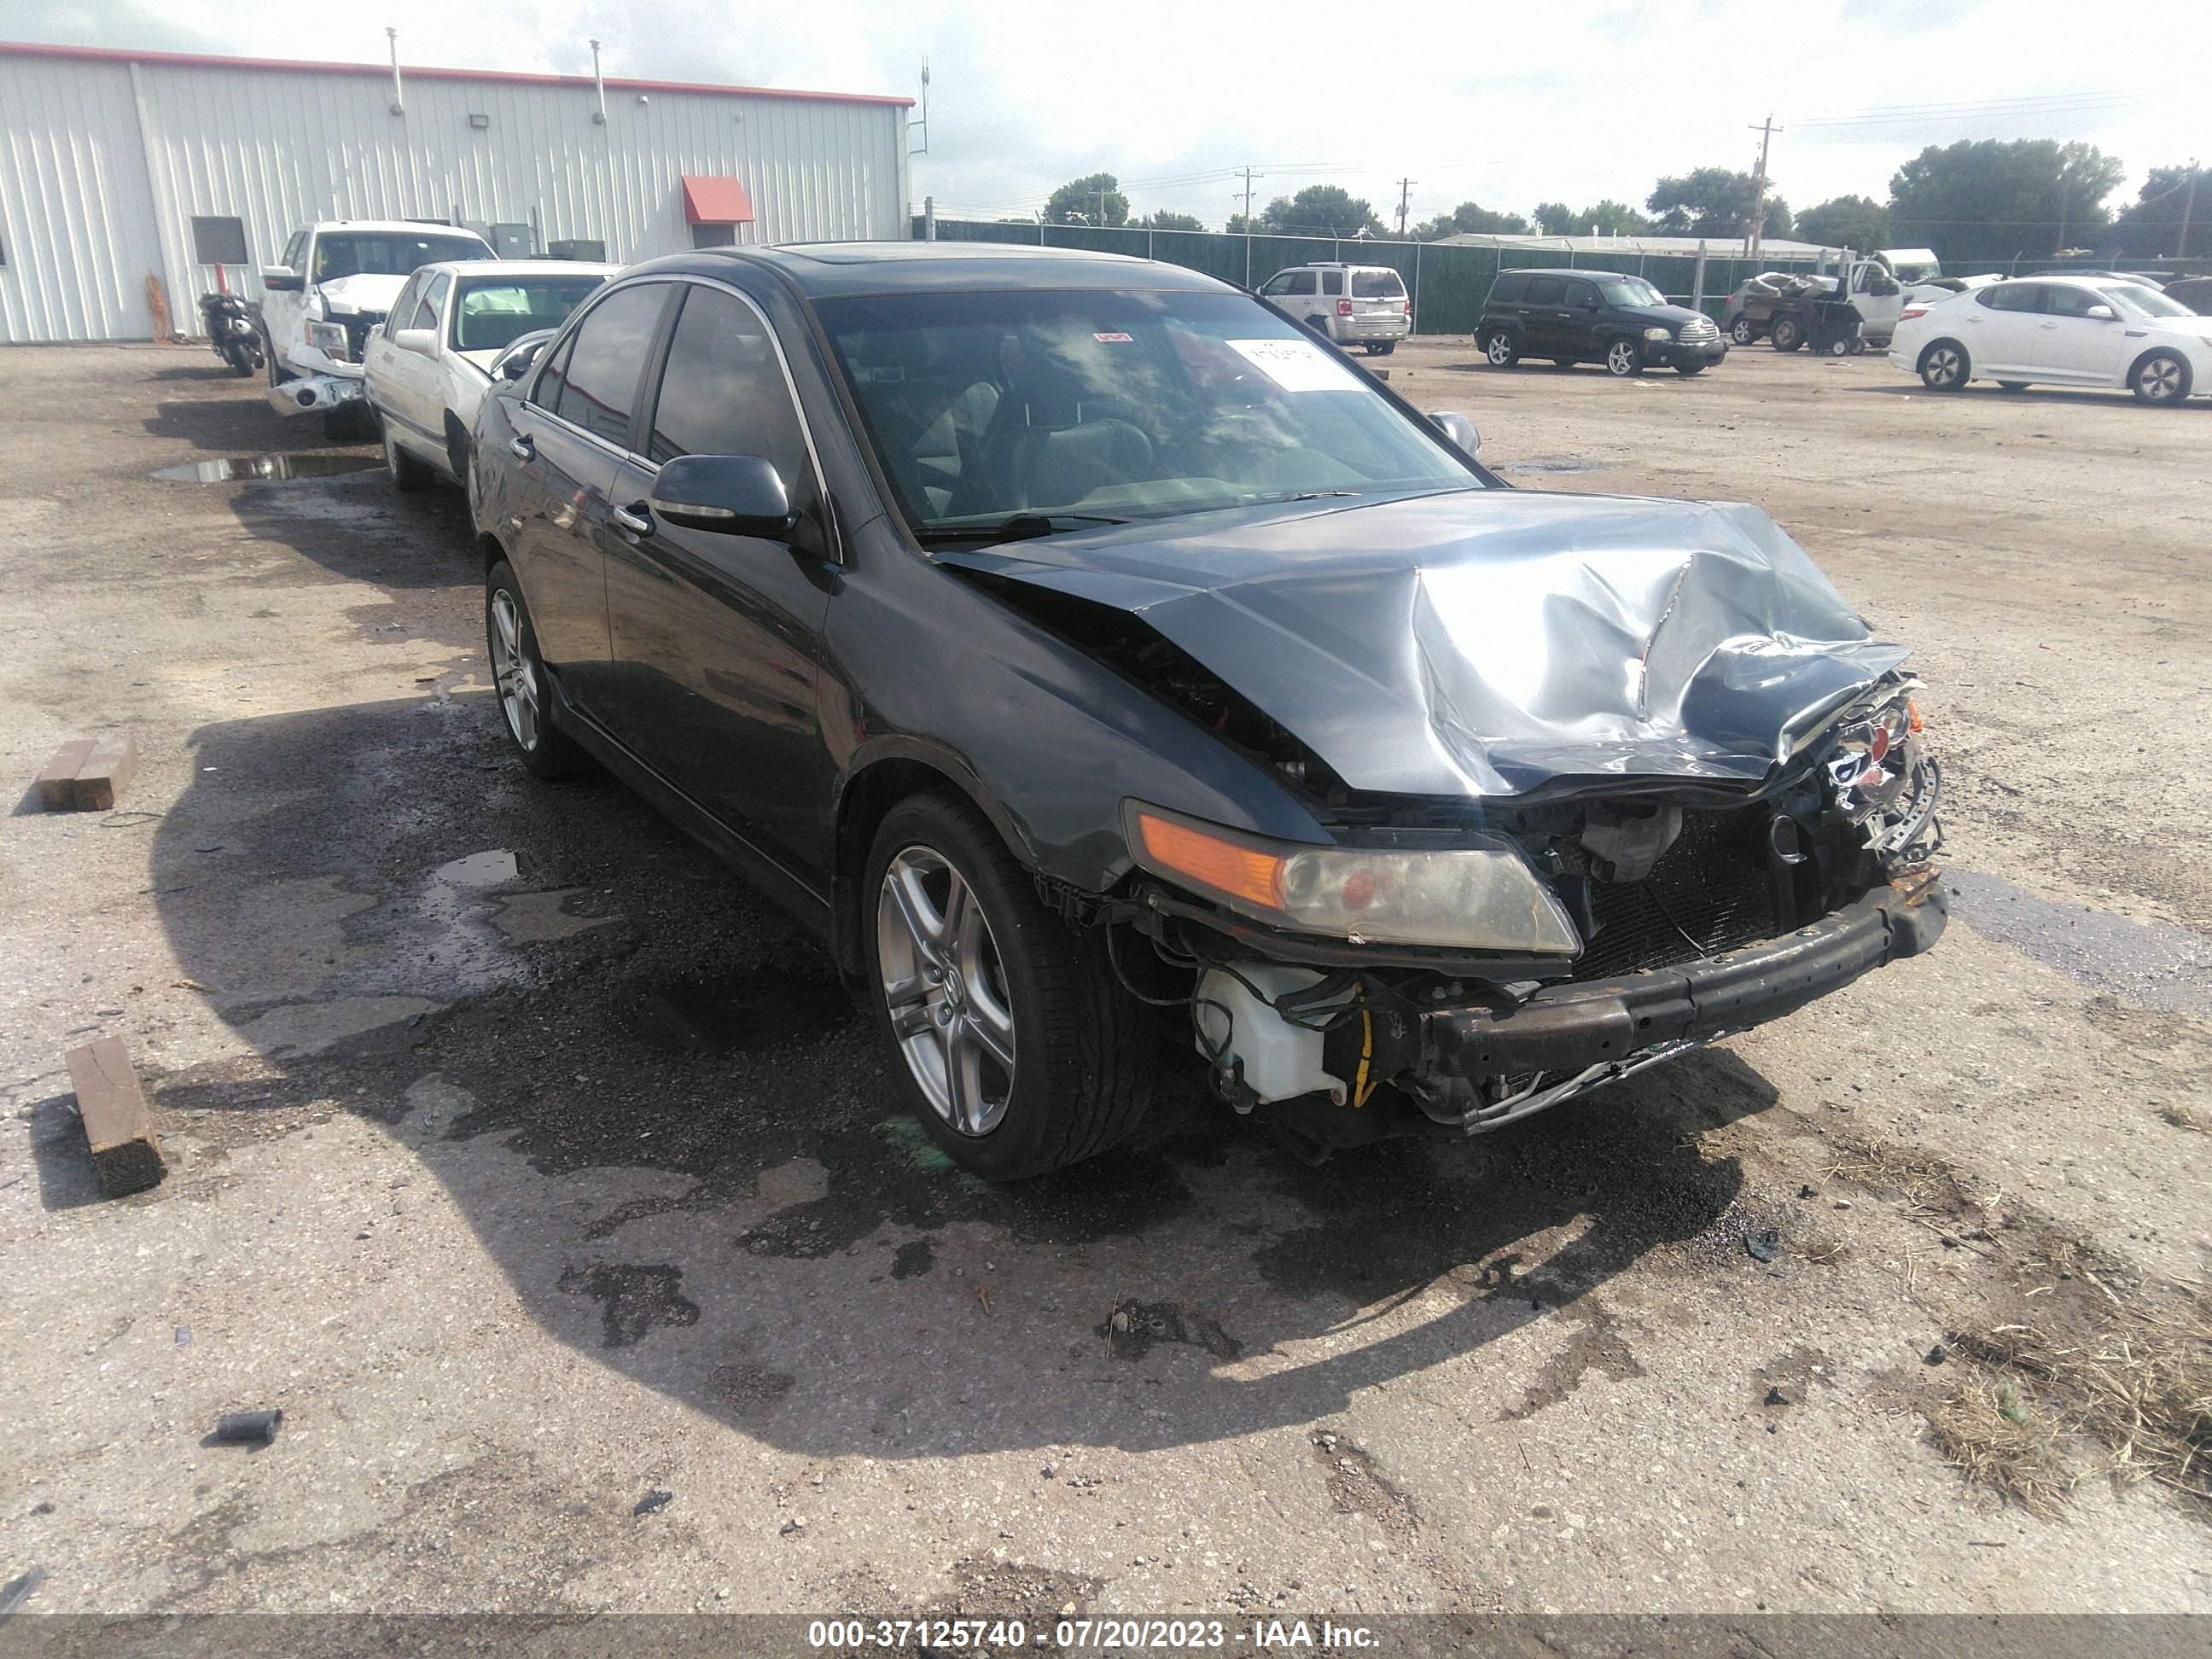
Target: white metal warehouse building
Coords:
[(121, 171)]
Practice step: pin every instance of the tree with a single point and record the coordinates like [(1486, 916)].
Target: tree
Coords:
[(1605, 218), (1320, 210), (1715, 202), (2151, 224), (1238, 225), (1987, 199), (1470, 217), (1853, 221), (1166, 219), (1082, 200)]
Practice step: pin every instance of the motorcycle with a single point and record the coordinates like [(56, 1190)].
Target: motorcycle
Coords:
[(233, 332)]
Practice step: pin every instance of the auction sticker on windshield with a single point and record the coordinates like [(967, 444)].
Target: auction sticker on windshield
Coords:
[(1296, 365)]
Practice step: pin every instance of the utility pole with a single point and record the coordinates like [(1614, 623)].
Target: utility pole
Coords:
[(1249, 177), (2188, 207), (1404, 188), (1102, 204), (1765, 130)]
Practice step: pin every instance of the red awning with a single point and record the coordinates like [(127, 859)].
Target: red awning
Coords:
[(708, 201)]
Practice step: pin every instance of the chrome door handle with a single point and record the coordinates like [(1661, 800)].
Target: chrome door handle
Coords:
[(634, 520), (521, 448)]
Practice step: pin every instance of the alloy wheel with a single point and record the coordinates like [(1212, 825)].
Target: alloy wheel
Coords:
[(511, 671), (1944, 368), (1501, 351), (2160, 380), (945, 988), (1620, 357)]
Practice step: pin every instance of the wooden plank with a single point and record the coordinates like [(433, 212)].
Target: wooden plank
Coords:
[(117, 1126), (58, 783), (106, 770)]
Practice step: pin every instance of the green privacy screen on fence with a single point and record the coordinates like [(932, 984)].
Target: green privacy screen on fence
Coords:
[(1447, 282)]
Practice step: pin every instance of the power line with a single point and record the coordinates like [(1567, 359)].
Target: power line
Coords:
[(1989, 109)]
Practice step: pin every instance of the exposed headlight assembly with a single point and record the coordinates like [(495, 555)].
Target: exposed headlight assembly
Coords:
[(1482, 897), (329, 339)]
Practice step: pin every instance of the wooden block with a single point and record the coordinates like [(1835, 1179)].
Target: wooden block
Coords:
[(117, 1123), (106, 770), (58, 783)]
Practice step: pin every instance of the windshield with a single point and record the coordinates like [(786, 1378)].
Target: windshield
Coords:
[(1124, 405), (495, 311), (389, 253), (2133, 300), (1629, 291), (1378, 285)]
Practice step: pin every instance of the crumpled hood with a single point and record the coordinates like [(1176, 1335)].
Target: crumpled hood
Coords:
[(365, 292), (1491, 642)]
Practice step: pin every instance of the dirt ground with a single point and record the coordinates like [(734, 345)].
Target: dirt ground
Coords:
[(534, 1167)]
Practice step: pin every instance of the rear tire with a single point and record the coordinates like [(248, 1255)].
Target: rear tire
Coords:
[(1014, 1041), (1789, 334), (1385, 348), (409, 475), (526, 695), (2161, 377), (1945, 367), (1501, 351)]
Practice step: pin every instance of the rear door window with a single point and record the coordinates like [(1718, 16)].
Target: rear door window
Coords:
[(1332, 281), (600, 380), (1546, 290), (2011, 296)]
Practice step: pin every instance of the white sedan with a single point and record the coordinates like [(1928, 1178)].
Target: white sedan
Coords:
[(429, 362), (2058, 330)]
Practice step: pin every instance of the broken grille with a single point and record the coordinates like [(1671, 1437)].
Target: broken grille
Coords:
[(1711, 893)]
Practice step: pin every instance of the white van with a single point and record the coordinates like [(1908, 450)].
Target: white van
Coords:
[(1353, 305)]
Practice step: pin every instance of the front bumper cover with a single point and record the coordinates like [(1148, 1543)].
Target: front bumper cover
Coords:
[(1572, 1028)]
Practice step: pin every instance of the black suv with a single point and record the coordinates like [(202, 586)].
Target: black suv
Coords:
[(1594, 317)]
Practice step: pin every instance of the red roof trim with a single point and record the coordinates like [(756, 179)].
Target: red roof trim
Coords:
[(194, 60), (715, 201)]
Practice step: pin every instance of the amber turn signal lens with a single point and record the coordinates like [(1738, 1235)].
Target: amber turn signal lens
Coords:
[(1240, 872)]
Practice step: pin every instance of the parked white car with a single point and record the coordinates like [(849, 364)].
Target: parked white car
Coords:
[(430, 362), (2058, 330), (336, 281), (1363, 306)]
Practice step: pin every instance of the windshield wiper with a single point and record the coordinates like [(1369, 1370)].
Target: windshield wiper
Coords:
[(1302, 495), (1014, 527)]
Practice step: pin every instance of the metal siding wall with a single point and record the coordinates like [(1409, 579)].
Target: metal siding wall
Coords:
[(281, 149), (76, 210)]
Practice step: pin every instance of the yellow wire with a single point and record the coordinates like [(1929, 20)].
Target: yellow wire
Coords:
[(1361, 1089)]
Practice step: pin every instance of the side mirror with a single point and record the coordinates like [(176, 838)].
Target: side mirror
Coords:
[(2102, 313), (1458, 428), (282, 279), (516, 364), (423, 340), (731, 494)]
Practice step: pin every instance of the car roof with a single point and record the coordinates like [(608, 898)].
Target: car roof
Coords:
[(521, 268), (395, 228), (1337, 264), (1564, 271), (823, 270)]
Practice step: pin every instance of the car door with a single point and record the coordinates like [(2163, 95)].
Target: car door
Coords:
[(718, 638), (415, 389), (2073, 345), (569, 438), (281, 309), (1999, 326), (1544, 318), (1878, 299), (1585, 331), (1275, 290), (1301, 301), (379, 356)]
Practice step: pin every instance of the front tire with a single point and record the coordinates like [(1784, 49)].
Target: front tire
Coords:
[(1689, 370), (1624, 358), (2162, 377), (1744, 331), (525, 699), (1944, 367), (1018, 1049), (1501, 351)]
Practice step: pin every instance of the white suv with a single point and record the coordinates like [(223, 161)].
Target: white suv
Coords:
[(2058, 330), (1353, 305)]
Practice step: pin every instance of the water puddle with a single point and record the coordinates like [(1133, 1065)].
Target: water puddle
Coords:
[(731, 1013), (265, 468), (2150, 963)]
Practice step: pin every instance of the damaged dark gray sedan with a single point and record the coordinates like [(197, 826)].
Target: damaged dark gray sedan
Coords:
[(1082, 649)]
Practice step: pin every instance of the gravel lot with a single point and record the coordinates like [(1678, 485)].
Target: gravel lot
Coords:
[(532, 1166)]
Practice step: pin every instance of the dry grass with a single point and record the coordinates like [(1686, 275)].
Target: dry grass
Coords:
[(2079, 1369)]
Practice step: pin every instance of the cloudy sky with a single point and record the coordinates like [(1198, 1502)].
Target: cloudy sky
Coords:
[(1504, 105)]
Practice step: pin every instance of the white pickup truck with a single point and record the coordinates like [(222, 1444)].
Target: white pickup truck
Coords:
[(337, 282)]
